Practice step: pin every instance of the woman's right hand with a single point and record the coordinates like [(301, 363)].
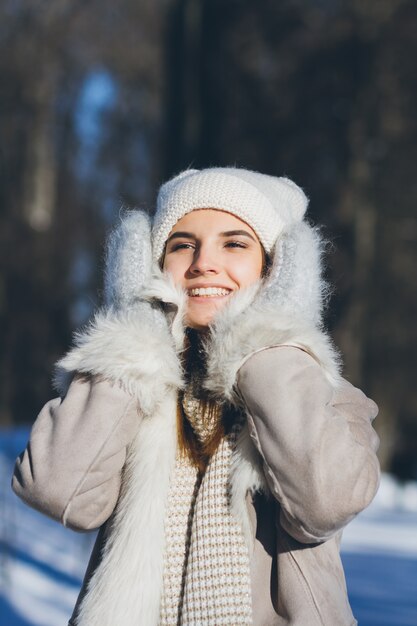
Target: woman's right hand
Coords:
[(71, 467)]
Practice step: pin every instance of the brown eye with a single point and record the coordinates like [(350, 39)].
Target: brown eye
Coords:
[(182, 246), (235, 244)]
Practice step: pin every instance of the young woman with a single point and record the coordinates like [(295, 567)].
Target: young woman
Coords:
[(203, 424)]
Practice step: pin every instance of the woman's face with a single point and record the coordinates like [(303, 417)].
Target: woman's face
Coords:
[(211, 254)]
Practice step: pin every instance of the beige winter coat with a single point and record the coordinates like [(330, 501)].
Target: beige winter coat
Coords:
[(102, 455), (318, 456)]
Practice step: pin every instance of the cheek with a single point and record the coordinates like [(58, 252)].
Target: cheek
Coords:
[(246, 271), (175, 266)]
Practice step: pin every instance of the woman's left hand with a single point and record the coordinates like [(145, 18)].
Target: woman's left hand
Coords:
[(317, 442)]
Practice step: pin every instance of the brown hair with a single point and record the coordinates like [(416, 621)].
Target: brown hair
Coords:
[(189, 445)]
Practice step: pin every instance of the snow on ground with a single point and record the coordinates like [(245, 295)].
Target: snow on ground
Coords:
[(379, 553), (42, 563), (389, 525)]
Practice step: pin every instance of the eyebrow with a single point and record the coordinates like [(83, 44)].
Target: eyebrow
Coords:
[(233, 233), (181, 234), (228, 233)]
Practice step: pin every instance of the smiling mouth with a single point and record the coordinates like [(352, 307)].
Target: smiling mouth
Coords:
[(209, 292)]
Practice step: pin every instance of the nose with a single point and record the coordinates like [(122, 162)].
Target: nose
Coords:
[(204, 262)]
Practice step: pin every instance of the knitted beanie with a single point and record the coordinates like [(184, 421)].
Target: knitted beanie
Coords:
[(268, 204)]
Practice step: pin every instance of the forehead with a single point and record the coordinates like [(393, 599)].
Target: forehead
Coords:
[(211, 219)]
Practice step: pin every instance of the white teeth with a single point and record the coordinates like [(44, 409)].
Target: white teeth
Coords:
[(209, 291)]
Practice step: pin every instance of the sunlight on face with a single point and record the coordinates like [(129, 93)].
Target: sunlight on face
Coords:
[(212, 254)]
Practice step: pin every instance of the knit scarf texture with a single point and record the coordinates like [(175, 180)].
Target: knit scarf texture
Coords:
[(206, 579)]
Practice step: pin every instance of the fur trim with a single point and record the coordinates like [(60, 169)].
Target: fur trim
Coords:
[(246, 474), (132, 347), (295, 283), (127, 585), (235, 337), (128, 259), (174, 299)]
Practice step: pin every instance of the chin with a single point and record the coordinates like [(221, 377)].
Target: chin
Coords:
[(201, 321), (200, 325)]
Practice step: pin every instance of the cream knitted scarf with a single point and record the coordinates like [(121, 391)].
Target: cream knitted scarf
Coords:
[(206, 563)]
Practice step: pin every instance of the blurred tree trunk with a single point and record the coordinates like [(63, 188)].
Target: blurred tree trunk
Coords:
[(357, 210), (42, 162), (183, 86)]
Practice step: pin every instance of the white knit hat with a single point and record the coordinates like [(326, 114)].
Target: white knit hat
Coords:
[(266, 203)]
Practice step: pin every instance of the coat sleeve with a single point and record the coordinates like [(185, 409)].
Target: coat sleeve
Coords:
[(317, 443), (71, 467)]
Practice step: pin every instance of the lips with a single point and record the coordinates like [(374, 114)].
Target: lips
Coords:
[(209, 292)]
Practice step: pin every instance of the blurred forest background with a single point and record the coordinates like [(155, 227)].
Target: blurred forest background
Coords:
[(101, 101)]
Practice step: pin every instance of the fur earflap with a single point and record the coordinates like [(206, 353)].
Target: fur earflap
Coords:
[(295, 284), (163, 290), (128, 259)]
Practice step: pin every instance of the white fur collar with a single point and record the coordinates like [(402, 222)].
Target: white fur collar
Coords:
[(126, 587), (137, 347)]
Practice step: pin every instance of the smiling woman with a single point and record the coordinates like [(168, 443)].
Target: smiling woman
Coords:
[(203, 424), (212, 254)]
